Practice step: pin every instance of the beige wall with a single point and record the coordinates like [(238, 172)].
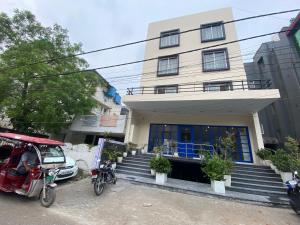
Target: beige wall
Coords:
[(142, 123), (189, 41)]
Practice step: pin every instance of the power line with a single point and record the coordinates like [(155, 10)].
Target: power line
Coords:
[(142, 41), (156, 58)]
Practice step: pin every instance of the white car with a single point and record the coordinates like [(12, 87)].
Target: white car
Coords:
[(69, 170)]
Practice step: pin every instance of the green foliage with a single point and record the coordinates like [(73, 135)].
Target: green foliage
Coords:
[(162, 165), (158, 149), (152, 163), (215, 168), (109, 154), (264, 154), (47, 104), (291, 146), (227, 146), (284, 162)]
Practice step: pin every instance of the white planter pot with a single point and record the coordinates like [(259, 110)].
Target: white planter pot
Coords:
[(227, 179), (144, 151), (286, 176), (176, 154), (152, 172), (161, 178), (119, 159), (133, 152), (124, 154), (114, 166), (218, 186)]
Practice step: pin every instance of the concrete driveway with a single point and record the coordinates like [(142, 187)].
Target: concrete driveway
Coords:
[(126, 203)]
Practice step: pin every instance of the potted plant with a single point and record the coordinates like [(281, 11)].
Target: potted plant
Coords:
[(176, 154), (119, 157), (144, 149), (227, 147), (162, 167), (158, 150), (152, 166), (227, 176), (125, 154), (132, 147), (109, 154), (215, 168)]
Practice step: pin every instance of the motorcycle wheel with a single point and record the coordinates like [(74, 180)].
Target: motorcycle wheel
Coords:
[(289, 192), (115, 180), (99, 186), (49, 199)]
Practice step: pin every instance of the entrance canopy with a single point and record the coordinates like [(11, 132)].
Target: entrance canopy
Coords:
[(227, 102)]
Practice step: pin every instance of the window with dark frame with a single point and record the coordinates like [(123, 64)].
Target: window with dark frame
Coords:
[(168, 65), (166, 89), (215, 60), (212, 32), (218, 86), (169, 39)]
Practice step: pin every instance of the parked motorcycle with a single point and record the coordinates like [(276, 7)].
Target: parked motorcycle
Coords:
[(105, 174), (293, 192)]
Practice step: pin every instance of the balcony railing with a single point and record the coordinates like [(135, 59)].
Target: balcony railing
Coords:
[(202, 87)]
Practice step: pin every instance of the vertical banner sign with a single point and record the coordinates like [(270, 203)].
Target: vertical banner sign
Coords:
[(98, 152)]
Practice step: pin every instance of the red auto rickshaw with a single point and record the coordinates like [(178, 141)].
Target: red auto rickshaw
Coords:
[(39, 180)]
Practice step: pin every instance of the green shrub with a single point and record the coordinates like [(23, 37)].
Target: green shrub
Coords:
[(264, 154), (152, 163), (215, 168), (162, 165), (291, 146), (284, 161)]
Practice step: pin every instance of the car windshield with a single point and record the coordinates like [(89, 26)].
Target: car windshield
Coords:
[(51, 154)]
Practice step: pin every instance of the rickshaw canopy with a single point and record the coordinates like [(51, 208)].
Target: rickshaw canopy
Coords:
[(30, 139)]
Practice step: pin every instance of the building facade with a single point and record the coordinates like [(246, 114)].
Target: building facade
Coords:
[(194, 94), (279, 61), (106, 120)]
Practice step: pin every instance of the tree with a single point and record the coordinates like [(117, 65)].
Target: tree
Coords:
[(45, 104)]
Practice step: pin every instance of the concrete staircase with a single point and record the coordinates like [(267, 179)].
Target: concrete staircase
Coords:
[(137, 165), (258, 180)]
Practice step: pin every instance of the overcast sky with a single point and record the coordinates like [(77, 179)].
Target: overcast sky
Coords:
[(102, 23)]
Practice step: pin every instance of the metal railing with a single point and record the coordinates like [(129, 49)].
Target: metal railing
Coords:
[(188, 150), (202, 87)]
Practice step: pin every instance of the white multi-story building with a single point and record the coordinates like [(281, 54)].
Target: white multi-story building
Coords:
[(108, 119), (196, 92)]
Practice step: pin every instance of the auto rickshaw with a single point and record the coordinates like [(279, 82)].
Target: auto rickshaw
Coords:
[(39, 180)]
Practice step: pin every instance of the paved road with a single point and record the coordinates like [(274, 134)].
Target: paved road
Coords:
[(130, 204)]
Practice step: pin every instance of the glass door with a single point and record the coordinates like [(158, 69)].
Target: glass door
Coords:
[(185, 146)]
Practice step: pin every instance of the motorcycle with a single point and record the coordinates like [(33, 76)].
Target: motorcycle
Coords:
[(105, 174), (39, 180), (293, 192)]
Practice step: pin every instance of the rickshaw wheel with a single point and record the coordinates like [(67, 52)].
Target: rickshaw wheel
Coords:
[(50, 197)]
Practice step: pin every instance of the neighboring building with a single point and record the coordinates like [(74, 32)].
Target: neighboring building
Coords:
[(107, 120), (195, 98), (279, 61)]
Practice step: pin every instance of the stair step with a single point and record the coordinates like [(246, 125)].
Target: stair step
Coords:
[(248, 168), (135, 164), (139, 174), (251, 165), (124, 167), (258, 186), (255, 181), (258, 173), (136, 161), (256, 177), (257, 191)]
